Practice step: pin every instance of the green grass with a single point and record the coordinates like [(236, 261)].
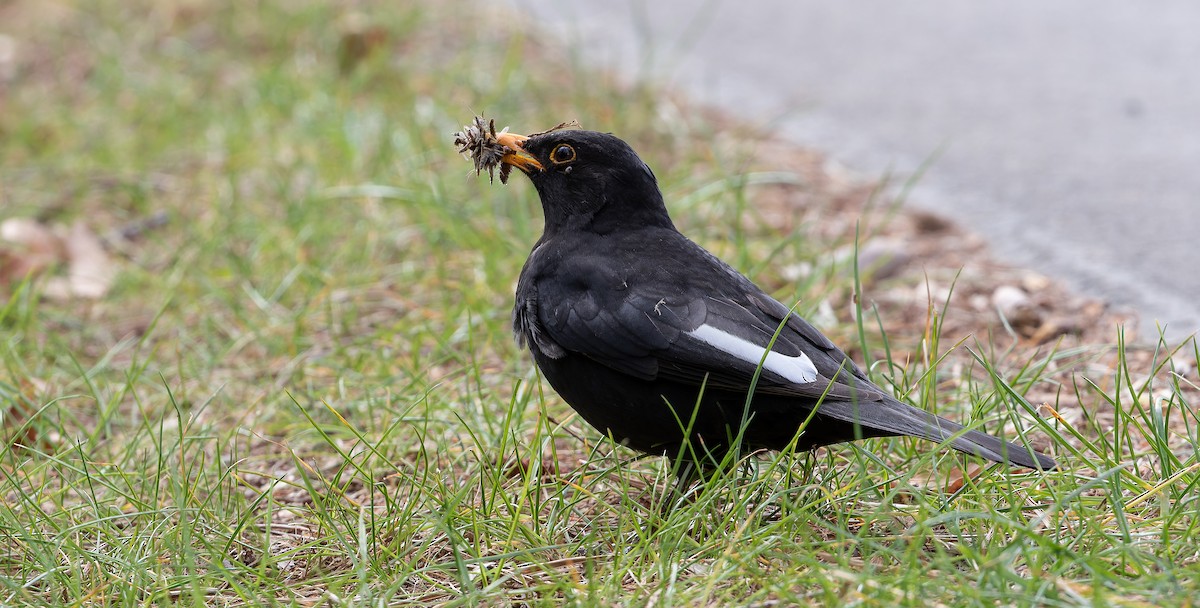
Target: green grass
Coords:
[(303, 388)]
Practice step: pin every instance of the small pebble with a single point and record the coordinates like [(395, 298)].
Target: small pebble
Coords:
[(1010, 301)]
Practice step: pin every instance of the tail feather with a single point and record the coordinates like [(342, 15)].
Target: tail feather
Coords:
[(896, 418)]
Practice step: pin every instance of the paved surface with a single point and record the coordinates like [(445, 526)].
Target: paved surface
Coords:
[(1067, 133)]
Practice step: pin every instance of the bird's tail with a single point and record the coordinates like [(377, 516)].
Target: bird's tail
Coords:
[(892, 417)]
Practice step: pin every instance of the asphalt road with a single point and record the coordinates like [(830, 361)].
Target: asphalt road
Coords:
[(1067, 133)]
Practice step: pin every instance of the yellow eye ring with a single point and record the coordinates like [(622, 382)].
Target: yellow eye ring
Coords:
[(562, 154)]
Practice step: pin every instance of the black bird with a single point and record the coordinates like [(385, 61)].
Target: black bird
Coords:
[(656, 342)]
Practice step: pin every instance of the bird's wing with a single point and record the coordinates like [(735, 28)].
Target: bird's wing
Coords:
[(737, 337), (719, 340)]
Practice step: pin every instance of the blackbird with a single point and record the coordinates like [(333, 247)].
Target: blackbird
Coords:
[(669, 350)]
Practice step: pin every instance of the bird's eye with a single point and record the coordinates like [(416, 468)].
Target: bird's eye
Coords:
[(562, 154)]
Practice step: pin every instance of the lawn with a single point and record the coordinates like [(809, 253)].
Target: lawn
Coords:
[(298, 385)]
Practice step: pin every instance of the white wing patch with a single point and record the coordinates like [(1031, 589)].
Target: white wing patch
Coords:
[(799, 369)]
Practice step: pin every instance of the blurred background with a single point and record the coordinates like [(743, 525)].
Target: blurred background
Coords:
[(1063, 132)]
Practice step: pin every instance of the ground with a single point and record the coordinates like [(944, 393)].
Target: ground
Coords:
[(287, 375)]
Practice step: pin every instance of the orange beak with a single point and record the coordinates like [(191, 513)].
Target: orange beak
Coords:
[(518, 157)]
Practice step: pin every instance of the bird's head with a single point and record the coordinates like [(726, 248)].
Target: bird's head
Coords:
[(587, 179)]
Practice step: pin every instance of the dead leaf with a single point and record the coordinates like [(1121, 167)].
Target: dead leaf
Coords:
[(90, 271), (27, 247), (957, 478), (949, 484), (8, 59), (359, 41)]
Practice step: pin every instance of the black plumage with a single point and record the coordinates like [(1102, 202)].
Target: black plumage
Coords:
[(646, 334)]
